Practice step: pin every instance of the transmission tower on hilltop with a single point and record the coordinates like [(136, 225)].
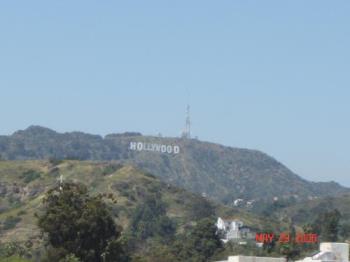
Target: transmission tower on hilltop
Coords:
[(187, 131)]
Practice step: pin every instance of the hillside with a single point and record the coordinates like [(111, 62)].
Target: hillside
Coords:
[(24, 183), (222, 173), (308, 211)]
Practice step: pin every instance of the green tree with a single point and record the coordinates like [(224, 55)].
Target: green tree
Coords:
[(200, 243), (330, 225), (70, 258), (76, 223), (10, 249), (149, 219), (327, 225), (200, 208), (10, 222), (290, 250), (345, 230)]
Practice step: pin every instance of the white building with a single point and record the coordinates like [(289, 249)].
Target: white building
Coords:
[(253, 259), (232, 230), (330, 252), (238, 202)]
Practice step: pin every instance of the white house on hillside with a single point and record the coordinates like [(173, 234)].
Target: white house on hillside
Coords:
[(232, 230)]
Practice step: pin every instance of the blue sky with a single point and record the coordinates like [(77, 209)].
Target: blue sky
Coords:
[(267, 75)]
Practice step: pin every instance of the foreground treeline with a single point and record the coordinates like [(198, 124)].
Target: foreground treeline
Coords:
[(79, 226), (136, 218)]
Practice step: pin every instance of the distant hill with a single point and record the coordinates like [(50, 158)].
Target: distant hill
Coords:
[(220, 172), (308, 211)]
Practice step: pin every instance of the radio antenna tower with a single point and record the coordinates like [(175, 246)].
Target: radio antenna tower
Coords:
[(187, 131)]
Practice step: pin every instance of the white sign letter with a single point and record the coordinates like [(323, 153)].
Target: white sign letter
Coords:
[(163, 148), (176, 149), (139, 146), (132, 145)]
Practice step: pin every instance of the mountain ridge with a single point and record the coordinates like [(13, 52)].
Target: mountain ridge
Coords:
[(220, 172)]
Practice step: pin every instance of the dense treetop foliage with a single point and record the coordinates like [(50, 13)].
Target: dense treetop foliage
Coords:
[(77, 223)]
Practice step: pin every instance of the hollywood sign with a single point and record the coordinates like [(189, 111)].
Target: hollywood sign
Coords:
[(141, 146)]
